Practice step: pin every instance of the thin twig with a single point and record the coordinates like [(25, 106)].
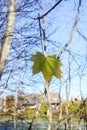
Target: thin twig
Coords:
[(41, 17), (82, 35)]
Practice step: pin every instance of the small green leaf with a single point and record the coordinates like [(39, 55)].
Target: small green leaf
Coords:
[(49, 66)]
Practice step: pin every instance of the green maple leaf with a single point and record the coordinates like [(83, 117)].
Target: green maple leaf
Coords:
[(39, 61), (49, 66)]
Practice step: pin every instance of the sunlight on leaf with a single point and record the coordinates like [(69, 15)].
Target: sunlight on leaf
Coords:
[(49, 66)]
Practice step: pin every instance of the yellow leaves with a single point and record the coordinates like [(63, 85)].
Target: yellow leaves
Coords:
[(49, 66), (10, 103), (29, 111)]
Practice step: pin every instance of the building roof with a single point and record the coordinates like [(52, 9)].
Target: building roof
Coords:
[(31, 99)]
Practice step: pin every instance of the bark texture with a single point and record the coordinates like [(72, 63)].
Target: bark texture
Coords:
[(5, 45)]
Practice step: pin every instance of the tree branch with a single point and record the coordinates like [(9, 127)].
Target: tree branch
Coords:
[(82, 35), (41, 17), (71, 32)]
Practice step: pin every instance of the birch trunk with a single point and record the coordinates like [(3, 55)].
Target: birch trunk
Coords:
[(60, 101), (35, 118), (5, 45), (15, 109), (49, 106)]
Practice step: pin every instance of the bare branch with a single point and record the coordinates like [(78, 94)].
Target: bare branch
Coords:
[(82, 35), (71, 33), (41, 17)]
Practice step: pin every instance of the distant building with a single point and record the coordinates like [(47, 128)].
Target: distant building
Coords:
[(32, 100)]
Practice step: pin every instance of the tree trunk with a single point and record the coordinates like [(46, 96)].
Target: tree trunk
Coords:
[(5, 45), (35, 118), (15, 109), (60, 101), (49, 106)]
